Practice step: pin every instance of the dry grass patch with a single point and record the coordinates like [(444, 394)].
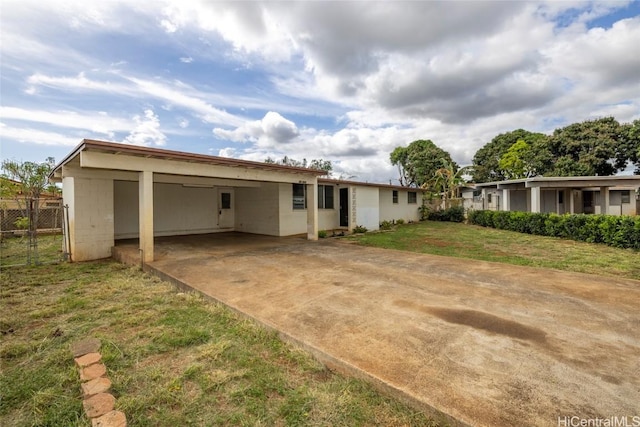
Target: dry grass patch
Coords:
[(174, 358)]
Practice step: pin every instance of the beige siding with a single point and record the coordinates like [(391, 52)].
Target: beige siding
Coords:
[(257, 209), (90, 217)]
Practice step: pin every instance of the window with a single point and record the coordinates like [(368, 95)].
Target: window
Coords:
[(489, 198), (395, 196), (412, 197), (299, 196), (225, 199), (560, 197), (625, 196), (325, 196)]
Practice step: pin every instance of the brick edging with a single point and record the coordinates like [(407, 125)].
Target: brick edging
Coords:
[(98, 404)]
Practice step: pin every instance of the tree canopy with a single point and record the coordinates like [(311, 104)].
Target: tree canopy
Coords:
[(586, 148), (418, 162), (318, 164), (30, 178), (592, 147), (486, 162)]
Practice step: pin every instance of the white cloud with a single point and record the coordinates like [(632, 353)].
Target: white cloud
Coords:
[(227, 152), (147, 131), (100, 123), (186, 59), (178, 94), (36, 136), (271, 130)]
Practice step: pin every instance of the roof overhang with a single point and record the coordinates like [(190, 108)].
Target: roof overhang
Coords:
[(629, 181), (109, 155)]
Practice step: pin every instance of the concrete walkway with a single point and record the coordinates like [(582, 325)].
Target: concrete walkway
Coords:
[(482, 343)]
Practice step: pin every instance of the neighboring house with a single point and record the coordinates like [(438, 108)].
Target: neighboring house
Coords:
[(613, 195), (14, 207), (117, 191)]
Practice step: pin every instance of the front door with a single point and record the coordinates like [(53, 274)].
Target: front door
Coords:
[(226, 213), (344, 207)]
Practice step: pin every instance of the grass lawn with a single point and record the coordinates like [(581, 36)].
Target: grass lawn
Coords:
[(14, 250), (174, 359), (474, 242)]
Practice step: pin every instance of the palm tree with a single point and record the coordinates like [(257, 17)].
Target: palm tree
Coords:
[(447, 181)]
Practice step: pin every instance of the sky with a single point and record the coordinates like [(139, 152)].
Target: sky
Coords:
[(341, 81)]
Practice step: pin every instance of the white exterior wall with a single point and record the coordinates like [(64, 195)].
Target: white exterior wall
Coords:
[(292, 221), (366, 203), (90, 217), (329, 219), (177, 210), (616, 207), (181, 210), (257, 209), (390, 211)]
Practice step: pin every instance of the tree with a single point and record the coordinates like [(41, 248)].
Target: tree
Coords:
[(30, 179), (418, 162), (486, 161), (588, 148), (317, 164), (446, 181), (629, 146), (516, 163)]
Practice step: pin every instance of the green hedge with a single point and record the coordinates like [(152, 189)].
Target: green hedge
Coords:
[(453, 214), (612, 230)]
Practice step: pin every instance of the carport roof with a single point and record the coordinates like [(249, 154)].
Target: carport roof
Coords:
[(158, 153), (567, 182), (368, 184)]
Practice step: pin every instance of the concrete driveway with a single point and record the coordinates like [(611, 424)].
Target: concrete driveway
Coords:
[(481, 343)]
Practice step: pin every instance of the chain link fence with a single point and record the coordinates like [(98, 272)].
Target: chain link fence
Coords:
[(31, 232)]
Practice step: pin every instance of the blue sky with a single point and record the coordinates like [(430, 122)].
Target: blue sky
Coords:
[(342, 81)]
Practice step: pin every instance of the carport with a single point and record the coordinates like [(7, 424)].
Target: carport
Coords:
[(117, 191), (478, 343)]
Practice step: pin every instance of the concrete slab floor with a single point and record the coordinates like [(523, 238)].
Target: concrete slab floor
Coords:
[(484, 343)]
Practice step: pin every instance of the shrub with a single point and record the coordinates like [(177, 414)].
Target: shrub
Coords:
[(386, 225), (618, 231), (322, 234), (400, 221), (358, 229), (453, 214)]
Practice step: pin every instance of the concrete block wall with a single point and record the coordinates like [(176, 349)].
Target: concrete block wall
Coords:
[(390, 211), (91, 217), (292, 221), (367, 205), (257, 209)]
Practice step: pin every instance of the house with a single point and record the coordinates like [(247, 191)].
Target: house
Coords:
[(119, 191), (14, 206), (613, 195)]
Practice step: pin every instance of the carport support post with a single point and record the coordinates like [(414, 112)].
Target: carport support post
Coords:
[(506, 199), (535, 199), (312, 212), (145, 191), (604, 200)]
